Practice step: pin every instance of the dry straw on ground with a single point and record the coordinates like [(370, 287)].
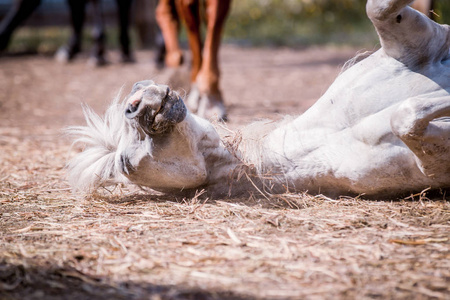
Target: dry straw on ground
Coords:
[(131, 244)]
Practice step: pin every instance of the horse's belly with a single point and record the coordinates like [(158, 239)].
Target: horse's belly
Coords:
[(338, 163)]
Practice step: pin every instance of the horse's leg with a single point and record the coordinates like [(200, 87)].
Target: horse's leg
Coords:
[(161, 52), (19, 12), (423, 124), (123, 10), (211, 102), (407, 35), (167, 19), (189, 10), (99, 35), (77, 17)]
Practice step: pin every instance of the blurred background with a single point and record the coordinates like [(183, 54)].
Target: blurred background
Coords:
[(293, 23)]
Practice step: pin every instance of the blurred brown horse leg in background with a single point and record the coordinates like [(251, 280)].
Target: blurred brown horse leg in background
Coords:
[(168, 21), (424, 6), (205, 97)]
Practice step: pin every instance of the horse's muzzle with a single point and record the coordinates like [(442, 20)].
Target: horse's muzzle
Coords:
[(155, 108)]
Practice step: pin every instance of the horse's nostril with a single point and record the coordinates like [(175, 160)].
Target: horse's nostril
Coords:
[(132, 110)]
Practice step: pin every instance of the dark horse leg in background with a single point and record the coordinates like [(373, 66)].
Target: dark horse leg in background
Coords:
[(78, 15), (123, 11), (19, 12), (98, 34)]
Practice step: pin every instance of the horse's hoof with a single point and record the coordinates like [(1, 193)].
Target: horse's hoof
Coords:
[(207, 106), (193, 99), (127, 58), (66, 54), (97, 61), (211, 107), (174, 59)]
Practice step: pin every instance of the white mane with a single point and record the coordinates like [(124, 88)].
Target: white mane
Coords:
[(95, 165)]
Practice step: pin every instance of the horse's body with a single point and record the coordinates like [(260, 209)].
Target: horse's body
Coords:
[(205, 97), (381, 129)]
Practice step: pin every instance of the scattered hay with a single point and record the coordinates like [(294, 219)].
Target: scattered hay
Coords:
[(128, 244)]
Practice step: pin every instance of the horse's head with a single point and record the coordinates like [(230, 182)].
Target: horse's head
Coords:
[(155, 108)]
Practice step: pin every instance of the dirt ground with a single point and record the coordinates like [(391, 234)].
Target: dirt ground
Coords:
[(130, 244)]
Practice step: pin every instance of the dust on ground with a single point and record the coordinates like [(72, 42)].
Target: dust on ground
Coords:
[(128, 244)]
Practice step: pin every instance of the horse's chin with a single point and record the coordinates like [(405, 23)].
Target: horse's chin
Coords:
[(161, 128)]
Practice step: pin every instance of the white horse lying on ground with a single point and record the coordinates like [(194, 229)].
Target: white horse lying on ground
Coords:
[(382, 129)]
